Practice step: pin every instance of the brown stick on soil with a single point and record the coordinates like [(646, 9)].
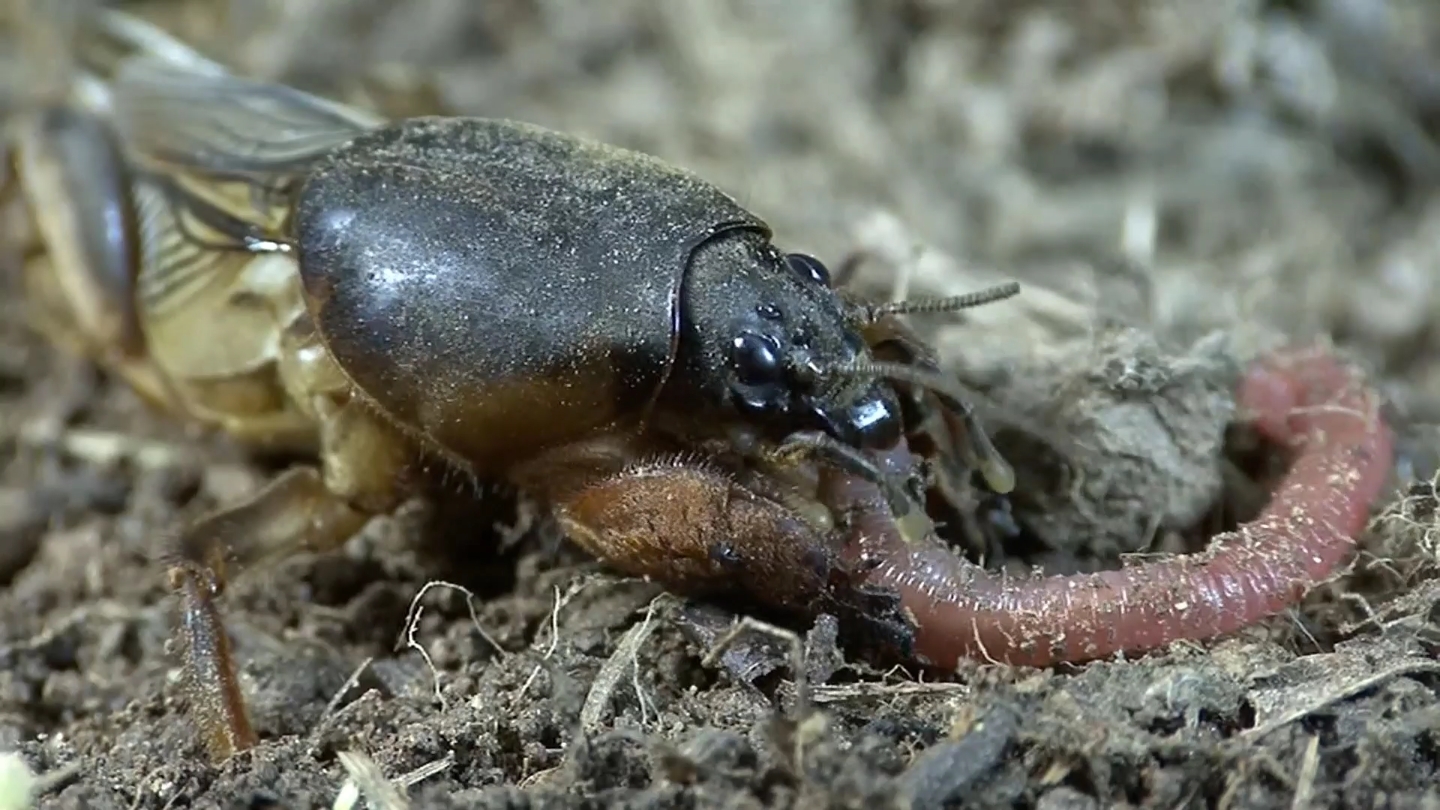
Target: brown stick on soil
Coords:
[(1304, 399)]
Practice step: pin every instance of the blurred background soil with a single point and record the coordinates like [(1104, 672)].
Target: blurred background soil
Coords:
[(1179, 185)]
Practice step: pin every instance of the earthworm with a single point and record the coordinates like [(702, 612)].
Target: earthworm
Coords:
[(1304, 399)]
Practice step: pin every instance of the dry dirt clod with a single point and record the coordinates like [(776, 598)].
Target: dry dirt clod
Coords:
[(22, 526), (1129, 444), (943, 774)]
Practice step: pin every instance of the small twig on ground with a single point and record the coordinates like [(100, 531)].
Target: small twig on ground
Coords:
[(646, 629), (560, 603), (412, 623), (1371, 618), (1305, 782), (855, 691), (607, 680), (1299, 623), (367, 781), (345, 688), (426, 771)]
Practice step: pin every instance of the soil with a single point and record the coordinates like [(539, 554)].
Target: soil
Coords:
[(1178, 187)]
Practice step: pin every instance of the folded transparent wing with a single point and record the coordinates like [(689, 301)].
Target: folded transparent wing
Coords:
[(214, 123)]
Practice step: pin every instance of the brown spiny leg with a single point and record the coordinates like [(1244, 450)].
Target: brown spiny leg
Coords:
[(365, 471), (701, 527), (686, 521)]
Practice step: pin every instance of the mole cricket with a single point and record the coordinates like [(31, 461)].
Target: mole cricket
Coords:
[(611, 334)]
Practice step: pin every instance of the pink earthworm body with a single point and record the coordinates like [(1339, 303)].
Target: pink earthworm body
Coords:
[(1305, 400)]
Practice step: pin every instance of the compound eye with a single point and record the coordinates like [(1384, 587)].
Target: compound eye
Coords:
[(809, 267), (756, 359)]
